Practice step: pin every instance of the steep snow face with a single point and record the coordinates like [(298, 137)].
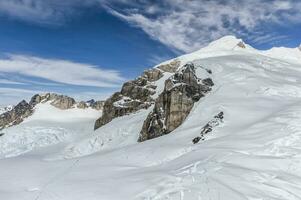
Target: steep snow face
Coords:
[(253, 154)]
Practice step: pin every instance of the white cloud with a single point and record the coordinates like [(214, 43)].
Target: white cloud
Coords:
[(60, 71), (183, 25), (42, 11), (188, 25), (11, 96)]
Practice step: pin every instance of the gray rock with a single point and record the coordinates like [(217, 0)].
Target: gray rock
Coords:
[(134, 95), (62, 102), (59, 101), (97, 105), (175, 103), (82, 105), (21, 111), (171, 67), (153, 74)]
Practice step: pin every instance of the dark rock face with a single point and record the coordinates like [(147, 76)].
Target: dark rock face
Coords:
[(134, 95), (208, 128), (175, 103), (16, 115)]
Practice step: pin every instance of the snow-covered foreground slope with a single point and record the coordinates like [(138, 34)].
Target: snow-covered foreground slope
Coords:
[(254, 154)]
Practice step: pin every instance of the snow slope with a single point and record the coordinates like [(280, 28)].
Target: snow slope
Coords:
[(255, 154)]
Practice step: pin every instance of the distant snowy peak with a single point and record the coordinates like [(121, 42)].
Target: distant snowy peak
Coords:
[(227, 43)]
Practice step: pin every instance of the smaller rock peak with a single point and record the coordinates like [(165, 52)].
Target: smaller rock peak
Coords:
[(299, 47), (226, 43), (241, 44)]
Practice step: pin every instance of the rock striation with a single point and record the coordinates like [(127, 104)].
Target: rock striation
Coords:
[(174, 104)]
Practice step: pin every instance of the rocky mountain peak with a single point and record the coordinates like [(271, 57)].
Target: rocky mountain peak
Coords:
[(174, 104), (15, 116)]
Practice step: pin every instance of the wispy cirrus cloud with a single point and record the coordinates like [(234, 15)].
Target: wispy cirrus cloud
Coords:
[(52, 12), (188, 25), (182, 25), (60, 71)]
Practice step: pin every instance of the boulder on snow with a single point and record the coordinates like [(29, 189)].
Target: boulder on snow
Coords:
[(175, 103)]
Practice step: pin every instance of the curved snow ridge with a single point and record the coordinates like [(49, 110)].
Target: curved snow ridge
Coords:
[(231, 45)]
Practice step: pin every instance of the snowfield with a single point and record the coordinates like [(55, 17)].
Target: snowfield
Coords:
[(255, 154)]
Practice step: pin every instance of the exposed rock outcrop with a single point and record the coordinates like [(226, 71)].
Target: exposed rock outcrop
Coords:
[(82, 105), (134, 95), (16, 115), (171, 67), (152, 74), (23, 110), (241, 44), (209, 127), (59, 101), (63, 102), (98, 105), (175, 103)]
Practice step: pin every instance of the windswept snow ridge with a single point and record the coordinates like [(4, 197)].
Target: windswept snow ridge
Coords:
[(253, 154)]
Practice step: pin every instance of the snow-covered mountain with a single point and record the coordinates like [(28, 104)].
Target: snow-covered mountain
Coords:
[(245, 126)]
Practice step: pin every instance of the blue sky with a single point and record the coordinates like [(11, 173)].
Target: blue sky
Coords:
[(87, 48)]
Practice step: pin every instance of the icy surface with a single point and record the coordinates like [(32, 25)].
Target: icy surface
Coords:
[(254, 155)]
